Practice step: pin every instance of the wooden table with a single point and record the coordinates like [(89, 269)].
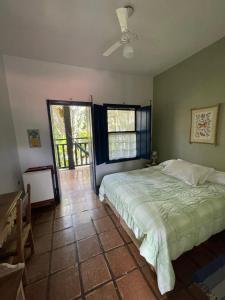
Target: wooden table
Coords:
[(7, 214)]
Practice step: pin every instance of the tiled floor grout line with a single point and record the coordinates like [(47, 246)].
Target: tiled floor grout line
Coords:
[(128, 248), (58, 271), (97, 287), (76, 256), (184, 287), (49, 251), (50, 257), (138, 267), (83, 294), (79, 270), (108, 265), (64, 245), (90, 199)]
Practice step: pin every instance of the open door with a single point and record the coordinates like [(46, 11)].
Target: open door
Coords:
[(91, 152), (56, 176), (72, 145)]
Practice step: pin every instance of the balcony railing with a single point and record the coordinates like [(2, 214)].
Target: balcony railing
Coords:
[(80, 152)]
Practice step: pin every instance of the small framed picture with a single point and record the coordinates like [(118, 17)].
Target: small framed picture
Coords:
[(204, 124), (34, 138)]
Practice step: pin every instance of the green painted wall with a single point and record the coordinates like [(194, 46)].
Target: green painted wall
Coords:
[(196, 82)]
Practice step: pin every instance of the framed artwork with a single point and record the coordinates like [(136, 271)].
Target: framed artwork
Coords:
[(204, 124), (34, 138)]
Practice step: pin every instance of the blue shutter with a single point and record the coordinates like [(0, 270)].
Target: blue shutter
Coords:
[(99, 133), (143, 123)]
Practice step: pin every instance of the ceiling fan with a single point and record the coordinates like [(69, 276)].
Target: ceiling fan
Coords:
[(123, 13)]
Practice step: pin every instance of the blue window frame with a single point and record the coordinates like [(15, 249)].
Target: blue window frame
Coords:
[(116, 140)]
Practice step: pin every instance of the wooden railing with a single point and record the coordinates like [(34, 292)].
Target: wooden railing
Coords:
[(80, 152)]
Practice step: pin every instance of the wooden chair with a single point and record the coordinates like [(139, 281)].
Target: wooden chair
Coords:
[(21, 235), (11, 287)]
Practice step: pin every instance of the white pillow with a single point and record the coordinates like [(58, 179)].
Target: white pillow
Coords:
[(165, 163), (217, 177), (189, 173), (210, 170)]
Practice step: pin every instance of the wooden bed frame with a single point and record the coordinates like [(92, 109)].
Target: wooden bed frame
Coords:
[(136, 242)]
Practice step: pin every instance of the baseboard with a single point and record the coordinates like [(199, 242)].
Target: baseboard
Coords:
[(43, 203)]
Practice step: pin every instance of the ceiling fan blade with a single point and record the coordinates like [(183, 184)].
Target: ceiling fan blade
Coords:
[(111, 49), (122, 14)]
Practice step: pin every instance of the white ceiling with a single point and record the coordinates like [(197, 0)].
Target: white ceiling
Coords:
[(77, 32)]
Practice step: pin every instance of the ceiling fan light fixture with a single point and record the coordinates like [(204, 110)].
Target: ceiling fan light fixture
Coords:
[(128, 51)]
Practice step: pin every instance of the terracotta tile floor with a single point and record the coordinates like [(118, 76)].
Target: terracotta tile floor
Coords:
[(83, 253)]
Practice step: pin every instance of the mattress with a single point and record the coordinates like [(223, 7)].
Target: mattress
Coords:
[(167, 215)]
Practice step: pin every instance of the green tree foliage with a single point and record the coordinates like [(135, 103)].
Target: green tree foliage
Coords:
[(79, 116), (121, 120), (58, 122)]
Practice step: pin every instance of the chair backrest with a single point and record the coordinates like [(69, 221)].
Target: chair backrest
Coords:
[(26, 206), (19, 225), (23, 210), (26, 202)]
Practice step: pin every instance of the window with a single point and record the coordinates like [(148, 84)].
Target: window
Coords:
[(121, 132), (121, 129)]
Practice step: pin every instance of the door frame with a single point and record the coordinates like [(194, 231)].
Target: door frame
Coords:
[(51, 102)]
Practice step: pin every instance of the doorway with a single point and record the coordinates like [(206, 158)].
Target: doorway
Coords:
[(72, 146)]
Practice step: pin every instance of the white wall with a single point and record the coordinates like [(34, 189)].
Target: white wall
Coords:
[(31, 82), (9, 163)]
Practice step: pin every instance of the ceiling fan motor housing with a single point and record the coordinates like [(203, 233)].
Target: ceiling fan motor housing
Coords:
[(125, 38), (130, 10)]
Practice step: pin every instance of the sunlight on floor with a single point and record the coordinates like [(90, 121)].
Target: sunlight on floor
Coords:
[(72, 181)]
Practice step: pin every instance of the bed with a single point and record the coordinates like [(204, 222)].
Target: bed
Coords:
[(166, 216)]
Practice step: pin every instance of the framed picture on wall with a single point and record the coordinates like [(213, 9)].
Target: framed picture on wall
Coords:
[(204, 124), (34, 138)]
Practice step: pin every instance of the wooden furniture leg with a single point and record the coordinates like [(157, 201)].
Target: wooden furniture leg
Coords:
[(20, 295), (31, 242), (11, 287)]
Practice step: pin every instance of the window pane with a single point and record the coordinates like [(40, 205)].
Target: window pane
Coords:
[(122, 145), (121, 120)]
